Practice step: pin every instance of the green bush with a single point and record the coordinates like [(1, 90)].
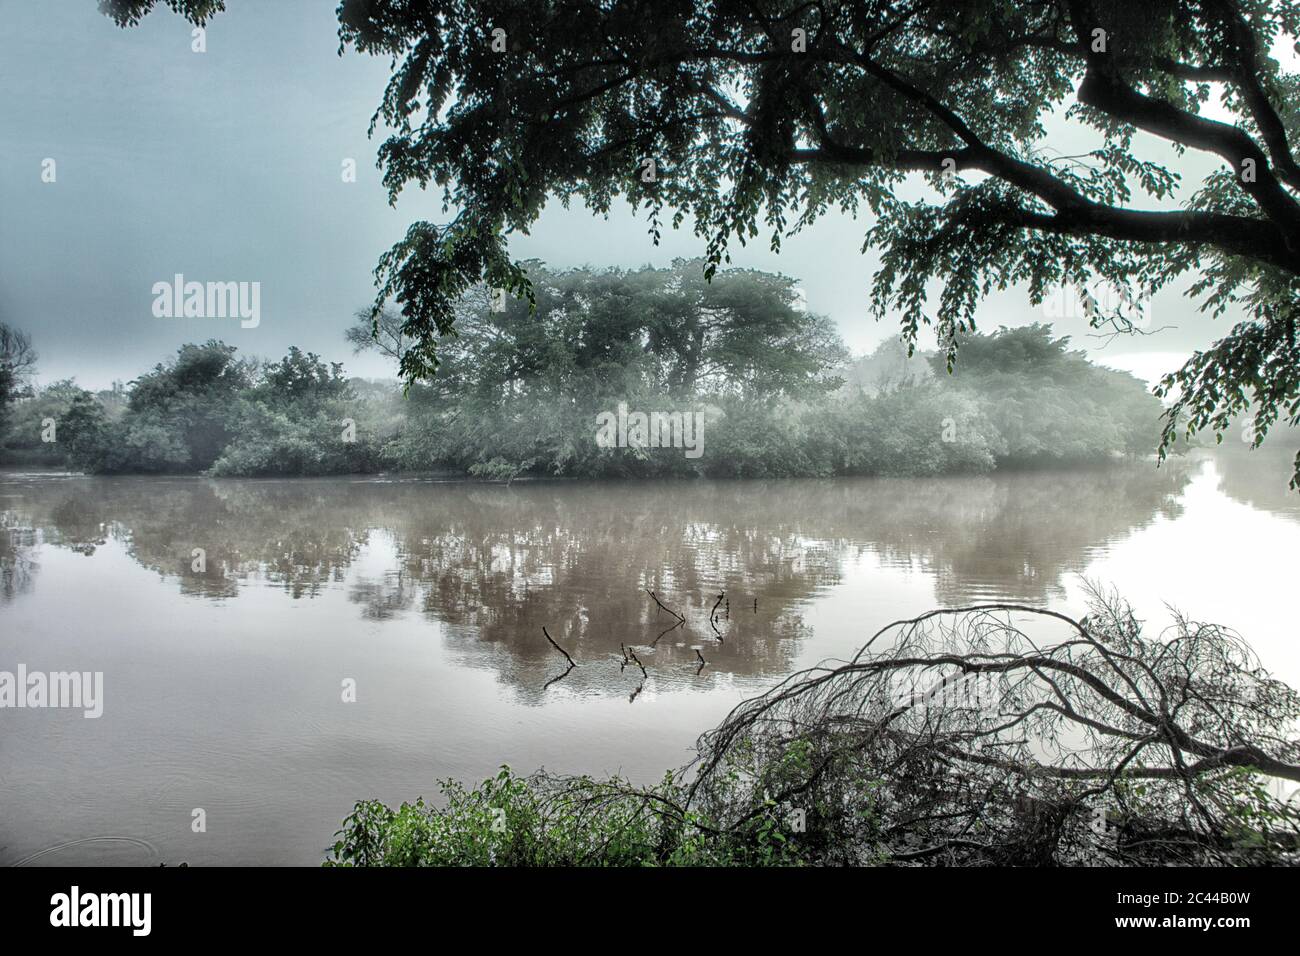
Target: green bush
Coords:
[(510, 820)]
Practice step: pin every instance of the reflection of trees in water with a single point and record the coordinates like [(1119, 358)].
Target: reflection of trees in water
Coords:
[(272, 531), (499, 565), (302, 539), (384, 599), (18, 565), (1259, 477), (1014, 536), (495, 564), (79, 525)]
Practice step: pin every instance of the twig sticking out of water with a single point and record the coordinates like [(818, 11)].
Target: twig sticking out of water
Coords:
[(571, 661), (678, 622), (713, 617), (665, 607), (702, 661), (629, 656), (636, 660)]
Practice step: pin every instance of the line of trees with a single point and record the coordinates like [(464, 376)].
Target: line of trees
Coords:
[(518, 393)]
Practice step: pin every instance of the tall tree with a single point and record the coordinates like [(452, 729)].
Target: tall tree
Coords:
[(192, 397), (744, 115), (17, 362), (744, 333)]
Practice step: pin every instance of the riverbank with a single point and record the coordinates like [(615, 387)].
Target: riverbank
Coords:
[(1022, 398), (995, 735)]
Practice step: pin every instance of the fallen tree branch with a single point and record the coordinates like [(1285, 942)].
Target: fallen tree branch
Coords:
[(992, 734), (1030, 727)]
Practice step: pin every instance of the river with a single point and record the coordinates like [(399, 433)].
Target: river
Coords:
[(231, 619)]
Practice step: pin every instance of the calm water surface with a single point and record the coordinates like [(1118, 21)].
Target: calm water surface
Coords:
[(223, 688)]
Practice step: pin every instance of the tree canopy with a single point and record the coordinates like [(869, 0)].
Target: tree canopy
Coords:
[(749, 116), (745, 332), (17, 362)]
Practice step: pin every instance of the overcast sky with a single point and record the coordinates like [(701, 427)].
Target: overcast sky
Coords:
[(225, 166)]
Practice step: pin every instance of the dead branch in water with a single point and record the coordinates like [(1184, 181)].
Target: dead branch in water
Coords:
[(571, 661), (679, 620), (713, 618), (702, 661), (665, 607), (628, 653)]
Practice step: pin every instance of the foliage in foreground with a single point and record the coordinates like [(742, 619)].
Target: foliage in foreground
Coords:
[(963, 737), (512, 820)]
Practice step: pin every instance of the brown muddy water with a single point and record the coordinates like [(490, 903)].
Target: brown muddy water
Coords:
[(223, 687)]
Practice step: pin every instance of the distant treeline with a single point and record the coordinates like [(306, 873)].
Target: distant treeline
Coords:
[(519, 394)]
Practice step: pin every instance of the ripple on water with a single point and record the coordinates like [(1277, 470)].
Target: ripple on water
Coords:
[(95, 851)]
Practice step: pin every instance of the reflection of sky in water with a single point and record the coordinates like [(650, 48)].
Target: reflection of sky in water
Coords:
[(1220, 561), (224, 692)]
